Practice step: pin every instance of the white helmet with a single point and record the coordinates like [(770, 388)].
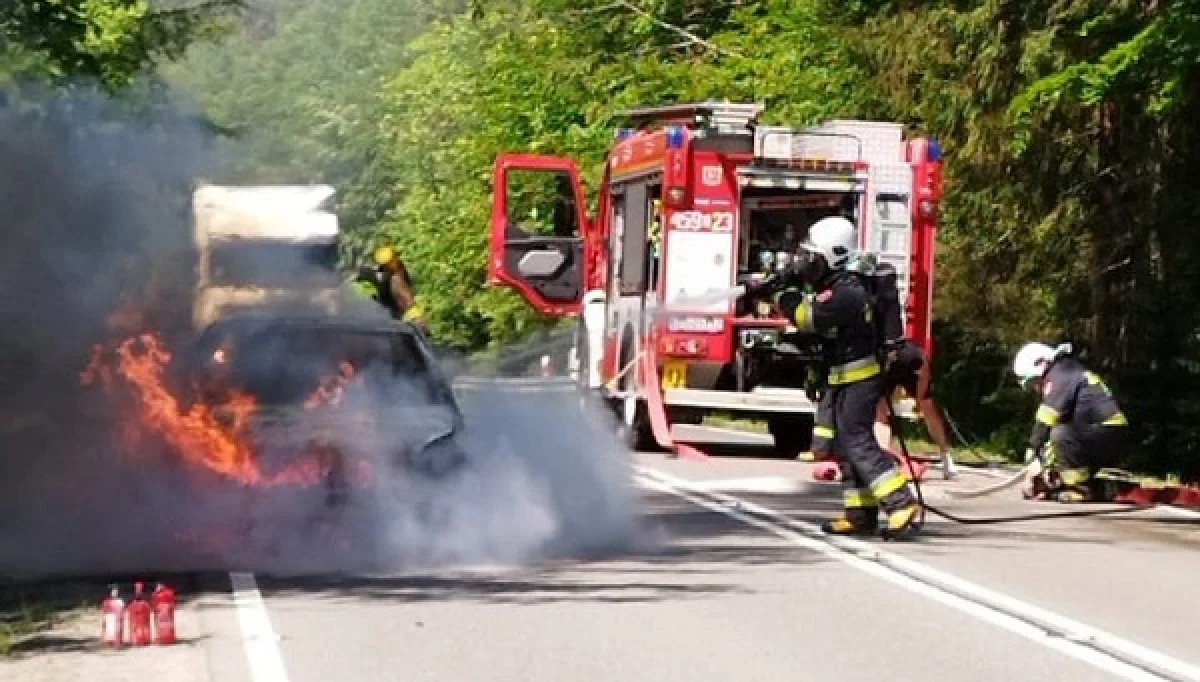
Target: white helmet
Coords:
[(835, 238), (1032, 361)]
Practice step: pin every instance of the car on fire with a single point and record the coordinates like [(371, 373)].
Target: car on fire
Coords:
[(330, 397)]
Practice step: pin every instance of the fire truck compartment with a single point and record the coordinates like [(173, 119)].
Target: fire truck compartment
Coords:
[(773, 223)]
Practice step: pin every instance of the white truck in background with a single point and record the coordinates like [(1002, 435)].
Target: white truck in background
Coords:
[(264, 247)]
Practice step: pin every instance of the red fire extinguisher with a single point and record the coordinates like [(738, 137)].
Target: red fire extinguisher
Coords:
[(164, 614), (139, 617), (113, 616)]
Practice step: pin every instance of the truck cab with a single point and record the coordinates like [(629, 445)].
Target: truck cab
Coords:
[(696, 199)]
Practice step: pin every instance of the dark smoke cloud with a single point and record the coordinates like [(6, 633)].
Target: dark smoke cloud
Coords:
[(93, 214), (96, 219)]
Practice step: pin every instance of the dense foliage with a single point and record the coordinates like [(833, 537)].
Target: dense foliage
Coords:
[(112, 42), (1069, 128)]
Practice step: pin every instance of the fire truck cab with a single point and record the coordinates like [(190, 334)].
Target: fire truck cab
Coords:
[(695, 200)]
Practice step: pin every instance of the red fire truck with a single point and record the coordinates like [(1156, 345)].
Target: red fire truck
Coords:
[(696, 199)]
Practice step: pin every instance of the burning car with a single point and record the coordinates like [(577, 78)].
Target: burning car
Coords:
[(332, 398)]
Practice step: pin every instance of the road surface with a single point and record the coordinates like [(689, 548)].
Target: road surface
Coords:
[(739, 587)]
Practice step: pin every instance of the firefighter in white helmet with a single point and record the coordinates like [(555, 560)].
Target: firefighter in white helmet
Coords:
[(1084, 424), (840, 311)]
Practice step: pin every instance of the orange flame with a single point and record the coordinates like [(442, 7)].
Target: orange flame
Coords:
[(218, 436), (197, 434), (332, 388), (96, 370)]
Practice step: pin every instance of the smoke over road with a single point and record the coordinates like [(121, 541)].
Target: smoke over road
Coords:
[(94, 247)]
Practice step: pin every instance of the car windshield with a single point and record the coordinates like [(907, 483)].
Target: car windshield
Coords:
[(284, 365)]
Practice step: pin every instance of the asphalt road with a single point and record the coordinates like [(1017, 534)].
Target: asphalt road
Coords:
[(733, 583)]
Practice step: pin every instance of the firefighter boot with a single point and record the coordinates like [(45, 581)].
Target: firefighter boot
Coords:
[(905, 515), (904, 523), (1075, 486), (853, 521)]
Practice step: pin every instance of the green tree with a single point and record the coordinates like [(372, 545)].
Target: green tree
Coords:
[(109, 41)]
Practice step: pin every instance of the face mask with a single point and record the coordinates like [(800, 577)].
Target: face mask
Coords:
[(812, 266)]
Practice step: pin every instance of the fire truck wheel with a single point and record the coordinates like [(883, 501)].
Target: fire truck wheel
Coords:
[(792, 434)]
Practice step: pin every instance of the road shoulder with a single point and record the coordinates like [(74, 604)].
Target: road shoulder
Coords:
[(67, 648)]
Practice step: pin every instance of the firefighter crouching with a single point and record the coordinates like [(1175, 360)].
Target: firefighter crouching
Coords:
[(841, 312), (1084, 424), (389, 284)]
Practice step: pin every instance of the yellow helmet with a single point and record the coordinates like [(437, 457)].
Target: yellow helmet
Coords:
[(384, 255)]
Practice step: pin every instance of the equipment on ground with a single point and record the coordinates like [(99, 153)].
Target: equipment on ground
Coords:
[(696, 200), (1015, 479), (112, 611), (163, 601), (1136, 506), (140, 617)]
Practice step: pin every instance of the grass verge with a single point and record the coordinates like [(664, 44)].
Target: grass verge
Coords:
[(29, 609)]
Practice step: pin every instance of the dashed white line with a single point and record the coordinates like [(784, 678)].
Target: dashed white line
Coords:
[(259, 638), (1101, 649)]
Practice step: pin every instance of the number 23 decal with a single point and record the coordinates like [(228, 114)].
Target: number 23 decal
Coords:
[(702, 222)]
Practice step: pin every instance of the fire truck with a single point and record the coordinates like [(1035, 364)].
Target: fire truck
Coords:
[(696, 199)]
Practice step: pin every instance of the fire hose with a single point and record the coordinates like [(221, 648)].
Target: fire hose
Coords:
[(976, 521), (735, 292)]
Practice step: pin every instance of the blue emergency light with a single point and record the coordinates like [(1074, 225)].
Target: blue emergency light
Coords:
[(935, 150), (675, 136), (623, 133)]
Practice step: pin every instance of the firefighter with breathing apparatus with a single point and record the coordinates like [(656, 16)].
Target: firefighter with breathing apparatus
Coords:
[(388, 283), (905, 365), (1078, 416), (841, 313)]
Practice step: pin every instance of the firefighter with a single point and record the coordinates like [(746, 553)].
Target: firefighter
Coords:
[(1078, 415), (904, 362), (841, 312), (388, 283)]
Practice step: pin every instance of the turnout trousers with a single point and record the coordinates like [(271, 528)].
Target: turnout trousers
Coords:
[(1078, 452), (844, 427)]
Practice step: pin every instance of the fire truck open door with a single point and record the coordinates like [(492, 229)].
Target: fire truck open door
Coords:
[(538, 223)]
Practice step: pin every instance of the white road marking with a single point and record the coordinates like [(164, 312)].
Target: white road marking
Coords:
[(262, 650), (1180, 511), (1101, 649)]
